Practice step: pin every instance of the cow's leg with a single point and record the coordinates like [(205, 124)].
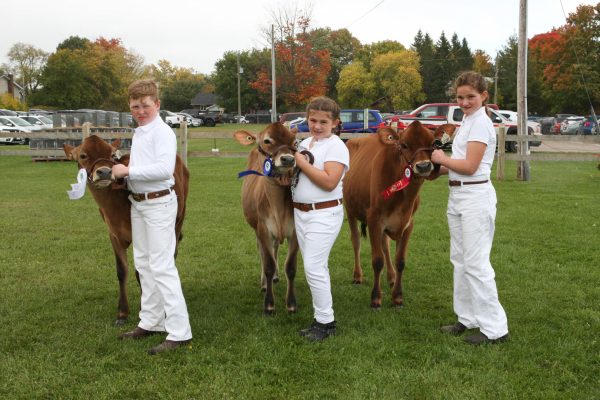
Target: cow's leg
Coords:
[(355, 238), (276, 255), (122, 273), (385, 246), (269, 266), (290, 272), (401, 249), (375, 234)]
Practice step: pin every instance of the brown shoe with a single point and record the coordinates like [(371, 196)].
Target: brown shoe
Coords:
[(138, 333), (168, 345), (480, 338), (455, 329)]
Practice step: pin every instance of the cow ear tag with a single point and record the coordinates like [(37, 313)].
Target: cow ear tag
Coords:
[(267, 167), (445, 138), (117, 156)]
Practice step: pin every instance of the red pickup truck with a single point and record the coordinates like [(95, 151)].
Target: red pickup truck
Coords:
[(435, 114)]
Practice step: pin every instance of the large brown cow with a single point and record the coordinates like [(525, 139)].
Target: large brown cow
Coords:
[(268, 207), (381, 190), (97, 157)]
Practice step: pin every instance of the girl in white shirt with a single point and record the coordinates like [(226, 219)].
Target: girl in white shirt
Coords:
[(318, 210), (471, 216)]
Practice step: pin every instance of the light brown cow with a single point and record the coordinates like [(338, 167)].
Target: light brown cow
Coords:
[(268, 207), (97, 157), (380, 164)]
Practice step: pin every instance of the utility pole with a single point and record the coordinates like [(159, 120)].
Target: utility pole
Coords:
[(523, 168), (238, 86), (496, 81), (273, 78)]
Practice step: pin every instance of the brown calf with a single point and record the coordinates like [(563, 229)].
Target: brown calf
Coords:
[(381, 190), (268, 207), (97, 157)]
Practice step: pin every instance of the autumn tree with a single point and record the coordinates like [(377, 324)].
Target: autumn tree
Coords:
[(356, 88), (85, 74), (398, 80), (26, 63), (301, 69), (342, 47), (178, 85), (369, 52)]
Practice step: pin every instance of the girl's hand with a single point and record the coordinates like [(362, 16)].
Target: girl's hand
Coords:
[(301, 160), (283, 180), (438, 157)]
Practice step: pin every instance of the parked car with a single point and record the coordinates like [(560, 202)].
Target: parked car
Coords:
[(15, 124), (588, 126), (534, 127), (240, 119), (8, 112), (191, 121), (570, 125), (558, 119), (39, 120), (287, 118), (352, 121), (172, 119)]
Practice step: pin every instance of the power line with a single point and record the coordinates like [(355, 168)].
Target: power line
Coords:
[(364, 15)]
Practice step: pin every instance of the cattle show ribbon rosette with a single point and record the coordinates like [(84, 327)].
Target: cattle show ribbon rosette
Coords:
[(398, 185), (78, 189)]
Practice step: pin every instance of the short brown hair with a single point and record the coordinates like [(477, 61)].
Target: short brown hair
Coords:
[(142, 88), (323, 103)]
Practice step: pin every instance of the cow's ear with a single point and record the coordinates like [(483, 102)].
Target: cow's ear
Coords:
[(244, 137), (294, 130), (116, 143), (445, 133), (71, 152), (388, 136)]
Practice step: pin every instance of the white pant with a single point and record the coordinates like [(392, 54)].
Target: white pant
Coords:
[(316, 231), (163, 306), (471, 218)]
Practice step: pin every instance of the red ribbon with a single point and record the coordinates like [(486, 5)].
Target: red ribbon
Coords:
[(398, 185)]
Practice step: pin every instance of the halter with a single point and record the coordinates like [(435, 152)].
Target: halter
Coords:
[(268, 163), (116, 157)]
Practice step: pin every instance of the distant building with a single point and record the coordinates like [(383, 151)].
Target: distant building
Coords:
[(206, 102), (8, 85)]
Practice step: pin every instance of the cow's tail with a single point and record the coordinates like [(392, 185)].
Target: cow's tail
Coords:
[(363, 229)]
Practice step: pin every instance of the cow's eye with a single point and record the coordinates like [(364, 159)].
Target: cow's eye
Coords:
[(267, 141), (82, 156), (403, 145)]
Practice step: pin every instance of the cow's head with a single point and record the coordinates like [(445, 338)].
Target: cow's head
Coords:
[(416, 143), (97, 157), (276, 143)]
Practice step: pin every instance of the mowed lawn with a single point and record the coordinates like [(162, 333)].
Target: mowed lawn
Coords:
[(58, 298)]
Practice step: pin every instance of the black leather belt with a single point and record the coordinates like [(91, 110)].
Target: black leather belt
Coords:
[(460, 183), (151, 195)]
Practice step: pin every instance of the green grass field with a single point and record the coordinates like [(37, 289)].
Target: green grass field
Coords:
[(58, 291)]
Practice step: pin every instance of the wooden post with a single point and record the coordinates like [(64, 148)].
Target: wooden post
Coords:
[(85, 130), (183, 141), (523, 168), (501, 152)]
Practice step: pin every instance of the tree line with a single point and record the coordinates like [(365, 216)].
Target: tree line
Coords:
[(562, 70)]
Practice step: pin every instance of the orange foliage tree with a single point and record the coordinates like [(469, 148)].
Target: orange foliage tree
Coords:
[(301, 70)]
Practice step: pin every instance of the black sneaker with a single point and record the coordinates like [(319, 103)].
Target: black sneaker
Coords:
[(318, 331), (455, 329)]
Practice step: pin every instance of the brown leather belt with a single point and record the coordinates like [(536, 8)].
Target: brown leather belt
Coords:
[(151, 195), (460, 183), (317, 206)]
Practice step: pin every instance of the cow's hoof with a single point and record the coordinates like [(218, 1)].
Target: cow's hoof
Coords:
[(275, 279), (292, 309), (376, 307), (398, 306), (120, 321), (356, 282), (269, 312)]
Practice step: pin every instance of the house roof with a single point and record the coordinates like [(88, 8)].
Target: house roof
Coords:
[(7, 78), (205, 99)]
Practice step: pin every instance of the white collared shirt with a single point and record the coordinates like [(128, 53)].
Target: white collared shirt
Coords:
[(152, 157), (325, 149), (477, 127)]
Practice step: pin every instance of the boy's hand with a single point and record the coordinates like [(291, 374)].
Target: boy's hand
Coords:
[(120, 171), (283, 180)]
